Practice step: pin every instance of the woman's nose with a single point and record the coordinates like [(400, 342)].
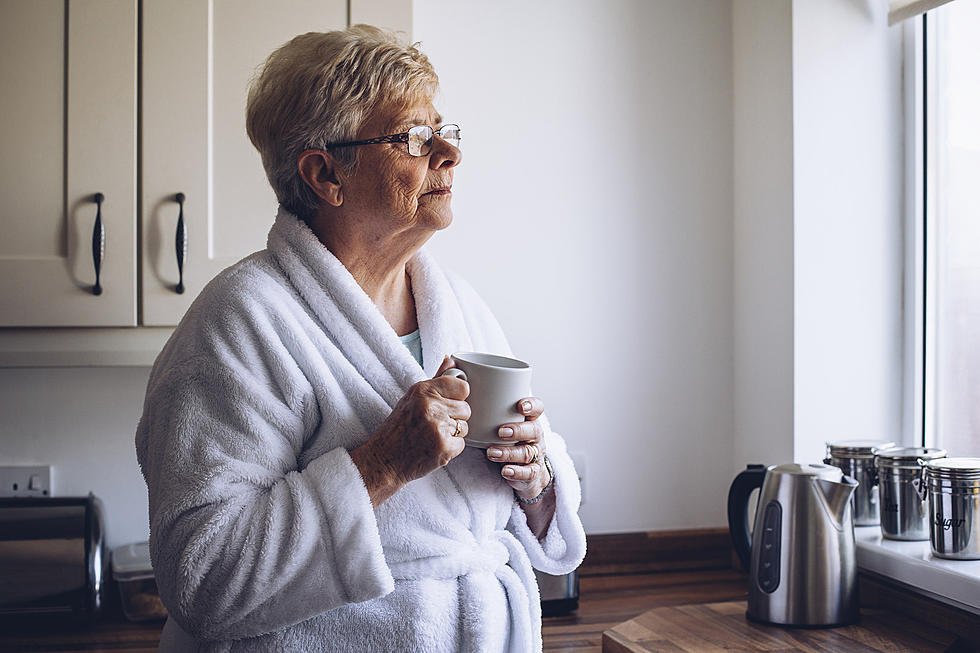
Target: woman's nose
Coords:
[(444, 154)]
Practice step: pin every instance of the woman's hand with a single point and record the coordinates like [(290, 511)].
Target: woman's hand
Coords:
[(523, 463), (423, 433)]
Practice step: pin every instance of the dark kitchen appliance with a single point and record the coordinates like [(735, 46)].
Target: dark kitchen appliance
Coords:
[(52, 558), (802, 558), (559, 594)]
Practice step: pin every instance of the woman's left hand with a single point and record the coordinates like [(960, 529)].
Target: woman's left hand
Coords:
[(523, 463)]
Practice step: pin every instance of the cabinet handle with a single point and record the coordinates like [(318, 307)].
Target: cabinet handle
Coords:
[(181, 243), (98, 243)]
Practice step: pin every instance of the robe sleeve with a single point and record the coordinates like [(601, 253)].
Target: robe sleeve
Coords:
[(562, 548), (244, 542)]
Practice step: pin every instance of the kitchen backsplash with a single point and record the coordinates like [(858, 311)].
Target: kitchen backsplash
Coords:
[(81, 421)]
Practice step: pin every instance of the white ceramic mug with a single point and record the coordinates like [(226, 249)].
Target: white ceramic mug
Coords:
[(497, 383)]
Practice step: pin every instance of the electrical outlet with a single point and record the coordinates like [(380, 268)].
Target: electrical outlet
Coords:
[(578, 459), (25, 481)]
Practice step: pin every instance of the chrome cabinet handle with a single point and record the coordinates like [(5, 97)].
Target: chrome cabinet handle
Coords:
[(181, 244), (98, 243)]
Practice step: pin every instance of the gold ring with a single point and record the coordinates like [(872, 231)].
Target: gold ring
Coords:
[(534, 458), (458, 429)]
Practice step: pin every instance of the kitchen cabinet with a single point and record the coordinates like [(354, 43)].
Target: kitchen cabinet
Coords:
[(197, 61), (71, 71), (68, 73)]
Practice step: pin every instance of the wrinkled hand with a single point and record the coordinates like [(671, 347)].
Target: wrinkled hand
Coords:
[(523, 463), (423, 433)]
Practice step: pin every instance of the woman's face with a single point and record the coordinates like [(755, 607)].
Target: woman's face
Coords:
[(394, 191)]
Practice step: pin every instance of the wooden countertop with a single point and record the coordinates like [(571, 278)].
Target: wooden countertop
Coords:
[(693, 610), (719, 627)]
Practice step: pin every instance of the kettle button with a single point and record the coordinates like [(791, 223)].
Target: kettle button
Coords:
[(768, 572)]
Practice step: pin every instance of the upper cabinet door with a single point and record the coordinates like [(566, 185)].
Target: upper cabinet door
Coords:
[(68, 74), (198, 57)]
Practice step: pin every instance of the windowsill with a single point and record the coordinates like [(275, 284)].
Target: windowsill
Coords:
[(956, 582)]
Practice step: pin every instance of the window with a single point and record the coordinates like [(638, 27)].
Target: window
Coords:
[(950, 196), (942, 295)]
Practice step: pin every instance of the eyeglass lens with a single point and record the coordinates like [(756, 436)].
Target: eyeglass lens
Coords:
[(420, 138)]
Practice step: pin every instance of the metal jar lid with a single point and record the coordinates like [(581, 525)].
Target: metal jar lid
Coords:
[(907, 457), (856, 448), (953, 469)]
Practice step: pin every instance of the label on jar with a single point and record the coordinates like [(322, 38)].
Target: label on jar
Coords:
[(947, 524)]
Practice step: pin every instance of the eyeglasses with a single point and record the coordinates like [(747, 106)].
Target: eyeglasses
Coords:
[(419, 139)]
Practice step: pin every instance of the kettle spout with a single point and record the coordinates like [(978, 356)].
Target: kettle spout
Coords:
[(837, 495)]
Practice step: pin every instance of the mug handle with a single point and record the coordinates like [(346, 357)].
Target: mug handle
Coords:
[(455, 371)]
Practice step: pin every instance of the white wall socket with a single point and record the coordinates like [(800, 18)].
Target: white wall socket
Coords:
[(25, 481), (578, 459)]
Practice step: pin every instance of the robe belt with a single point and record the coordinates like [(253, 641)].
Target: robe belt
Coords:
[(489, 555), (492, 556)]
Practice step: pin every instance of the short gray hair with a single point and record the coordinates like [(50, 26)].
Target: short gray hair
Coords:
[(318, 89)]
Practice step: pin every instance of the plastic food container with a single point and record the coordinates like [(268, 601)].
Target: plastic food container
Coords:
[(133, 572)]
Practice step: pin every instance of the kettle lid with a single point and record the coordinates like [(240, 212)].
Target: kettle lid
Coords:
[(825, 472)]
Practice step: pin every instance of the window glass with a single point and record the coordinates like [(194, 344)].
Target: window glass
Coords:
[(954, 225)]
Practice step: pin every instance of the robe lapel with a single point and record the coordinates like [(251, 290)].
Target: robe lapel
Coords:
[(343, 309), (440, 317), (355, 324)]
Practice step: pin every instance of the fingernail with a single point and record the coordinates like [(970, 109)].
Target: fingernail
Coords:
[(526, 406), (508, 472), (495, 453), (505, 432)]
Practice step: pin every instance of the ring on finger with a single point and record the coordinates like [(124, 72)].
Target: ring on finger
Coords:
[(458, 428), (534, 458)]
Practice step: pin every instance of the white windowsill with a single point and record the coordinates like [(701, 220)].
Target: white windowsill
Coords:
[(956, 582)]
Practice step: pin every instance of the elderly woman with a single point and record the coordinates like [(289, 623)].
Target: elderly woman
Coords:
[(309, 484)]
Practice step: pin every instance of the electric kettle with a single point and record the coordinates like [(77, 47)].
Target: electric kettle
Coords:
[(801, 554)]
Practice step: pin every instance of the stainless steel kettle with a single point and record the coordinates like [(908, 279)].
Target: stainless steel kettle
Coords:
[(801, 555)]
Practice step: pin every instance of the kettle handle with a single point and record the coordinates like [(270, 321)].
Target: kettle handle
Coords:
[(738, 509)]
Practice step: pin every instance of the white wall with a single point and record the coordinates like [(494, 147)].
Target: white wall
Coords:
[(763, 232), (848, 226), (818, 226), (82, 421), (593, 212)]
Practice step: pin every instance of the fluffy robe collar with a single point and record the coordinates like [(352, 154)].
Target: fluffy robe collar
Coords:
[(353, 321)]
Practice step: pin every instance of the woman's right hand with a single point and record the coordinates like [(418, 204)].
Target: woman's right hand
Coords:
[(423, 433)]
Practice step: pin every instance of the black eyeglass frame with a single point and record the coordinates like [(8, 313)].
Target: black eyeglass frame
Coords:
[(401, 138)]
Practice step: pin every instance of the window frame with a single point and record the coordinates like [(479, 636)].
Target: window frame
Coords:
[(921, 72), (913, 418)]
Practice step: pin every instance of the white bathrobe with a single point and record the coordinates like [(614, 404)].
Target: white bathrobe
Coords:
[(262, 534)]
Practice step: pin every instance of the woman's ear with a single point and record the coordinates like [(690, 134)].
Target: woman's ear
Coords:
[(320, 172)]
